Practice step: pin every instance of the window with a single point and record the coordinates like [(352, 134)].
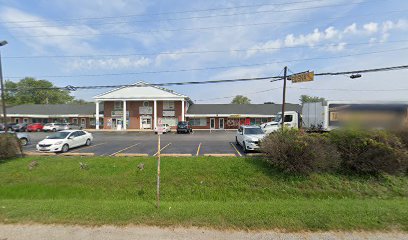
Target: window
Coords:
[(170, 121), (145, 104), (288, 118), (16, 120), (25, 120), (75, 121), (257, 121), (264, 120), (198, 122), (118, 105), (168, 105), (83, 121)]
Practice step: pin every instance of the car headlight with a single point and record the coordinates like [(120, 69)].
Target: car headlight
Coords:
[(58, 143)]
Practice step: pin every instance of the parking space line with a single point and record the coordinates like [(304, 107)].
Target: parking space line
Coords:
[(124, 149), (198, 149), (236, 149), (87, 147), (162, 149), (220, 155)]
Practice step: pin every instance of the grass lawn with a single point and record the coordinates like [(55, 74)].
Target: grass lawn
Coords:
[(205, 191)]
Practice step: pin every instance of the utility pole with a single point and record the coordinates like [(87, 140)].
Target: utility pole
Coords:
[(285, 72), (3, 98), (158, 171)]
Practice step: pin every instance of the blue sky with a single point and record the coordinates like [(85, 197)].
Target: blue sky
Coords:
[(136, 38)]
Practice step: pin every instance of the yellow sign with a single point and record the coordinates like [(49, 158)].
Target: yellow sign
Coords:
[(302, 77)]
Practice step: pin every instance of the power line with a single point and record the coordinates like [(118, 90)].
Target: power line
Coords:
[(198, 28), (201, 52), (351, 90), (167, 13), (274, 79), (195, 17), (212, 68)]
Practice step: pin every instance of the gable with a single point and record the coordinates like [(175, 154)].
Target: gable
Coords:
[(140, 91)]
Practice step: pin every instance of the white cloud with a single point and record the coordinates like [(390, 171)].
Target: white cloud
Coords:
[(351, 29), (371, 27), (109, 63), (19, 23)]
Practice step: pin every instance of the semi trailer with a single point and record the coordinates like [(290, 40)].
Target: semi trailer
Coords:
[(329, 115)]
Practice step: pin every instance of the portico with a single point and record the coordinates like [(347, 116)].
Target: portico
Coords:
[(140, 106)]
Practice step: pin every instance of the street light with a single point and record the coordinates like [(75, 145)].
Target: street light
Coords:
[(3, 102)]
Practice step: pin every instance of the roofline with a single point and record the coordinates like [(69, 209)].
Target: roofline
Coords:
[(141, 83), (231, 115), (141, 99)]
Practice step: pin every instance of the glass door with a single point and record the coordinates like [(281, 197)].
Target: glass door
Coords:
[(221, 123), (212, 123)]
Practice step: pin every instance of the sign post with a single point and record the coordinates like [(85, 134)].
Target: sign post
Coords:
[(159, 132)]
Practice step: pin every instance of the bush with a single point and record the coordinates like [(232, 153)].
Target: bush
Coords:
[(402, 134), (295, 152), (10, 146), (370, 151)]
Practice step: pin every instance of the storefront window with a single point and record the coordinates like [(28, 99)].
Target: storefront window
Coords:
[(118, 105), (198, 122), (172, 122)]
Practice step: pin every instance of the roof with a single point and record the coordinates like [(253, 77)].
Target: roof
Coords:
[(140, 91), (54, 109), (240, 109)]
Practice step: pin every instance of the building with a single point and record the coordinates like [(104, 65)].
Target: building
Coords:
[(80, 114), (143, 106), (140, 106), (231, 116)]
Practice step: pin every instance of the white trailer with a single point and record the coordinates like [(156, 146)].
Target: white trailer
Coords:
[(328, 115)]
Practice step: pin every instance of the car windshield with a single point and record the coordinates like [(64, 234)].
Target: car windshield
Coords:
[(59, 135), (182, 124), (48, 124), (253, 131)]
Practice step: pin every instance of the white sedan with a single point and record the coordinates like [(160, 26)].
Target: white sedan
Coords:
[(166, 128), (64, 140), (249, 137)]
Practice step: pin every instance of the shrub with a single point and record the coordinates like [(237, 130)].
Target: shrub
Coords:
[(10, 146), (295, 152), (402, 134), (370, 151)]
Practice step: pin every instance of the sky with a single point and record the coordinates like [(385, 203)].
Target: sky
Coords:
[(82, 43)]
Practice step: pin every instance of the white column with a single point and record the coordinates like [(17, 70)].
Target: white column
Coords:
[(124, 115), (97, 115), (182, 110), (155, 114)]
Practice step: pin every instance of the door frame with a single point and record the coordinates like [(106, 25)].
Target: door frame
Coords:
[(212, 120), (146, 117), (219, 123)]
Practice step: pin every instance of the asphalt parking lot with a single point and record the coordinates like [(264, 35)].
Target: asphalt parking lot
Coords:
[(199, 143)]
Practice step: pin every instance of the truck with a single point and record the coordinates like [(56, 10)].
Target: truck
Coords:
[(328, 115)]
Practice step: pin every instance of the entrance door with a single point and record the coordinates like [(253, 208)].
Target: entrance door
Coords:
[(145, 123), (212, 123), (221, 123)]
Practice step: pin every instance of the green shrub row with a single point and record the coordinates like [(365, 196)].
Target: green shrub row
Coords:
[(10, 146), (356, 151)]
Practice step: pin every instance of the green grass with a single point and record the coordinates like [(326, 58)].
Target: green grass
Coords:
[(212, 192)]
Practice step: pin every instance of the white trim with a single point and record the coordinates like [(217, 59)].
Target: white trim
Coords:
[(154, 114), (140, 99), (210, 123), (97, 115), (48, 116), (230, 115), (124, 122), (219, 123), (183, 118)]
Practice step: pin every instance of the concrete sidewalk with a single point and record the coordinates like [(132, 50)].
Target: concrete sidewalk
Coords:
[(62, 232)]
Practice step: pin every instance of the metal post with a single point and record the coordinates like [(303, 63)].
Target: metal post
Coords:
[(158, 171), (3, 98), (284, 95)]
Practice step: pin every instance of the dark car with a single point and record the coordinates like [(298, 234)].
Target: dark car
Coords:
[(10, 126), (1, 127), (20, 127), (184, 127)]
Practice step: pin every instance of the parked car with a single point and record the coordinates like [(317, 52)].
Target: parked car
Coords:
[(166, 128), (20, 127), (249, 137), (71, 126), (62, 141), (10, 126), (24, 137), (184, 127), (35, 127), (53, 127), (2, 127)]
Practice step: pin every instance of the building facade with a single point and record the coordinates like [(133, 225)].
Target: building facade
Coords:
[(141, 106)]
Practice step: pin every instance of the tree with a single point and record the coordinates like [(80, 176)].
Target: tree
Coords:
[(79, 101), (26, 95), (239, 99), (308, 99)]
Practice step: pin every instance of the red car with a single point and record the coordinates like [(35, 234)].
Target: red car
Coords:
[(35, 127)]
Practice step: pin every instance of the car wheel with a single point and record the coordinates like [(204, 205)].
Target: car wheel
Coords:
[(54, 130), (65, 148), (236, 141), (24, 141), (245, 149), (88, 142)]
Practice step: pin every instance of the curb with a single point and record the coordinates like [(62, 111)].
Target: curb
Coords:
[(176, 155), (131, 155), (220, 155), (78, 154), (38, 154)]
